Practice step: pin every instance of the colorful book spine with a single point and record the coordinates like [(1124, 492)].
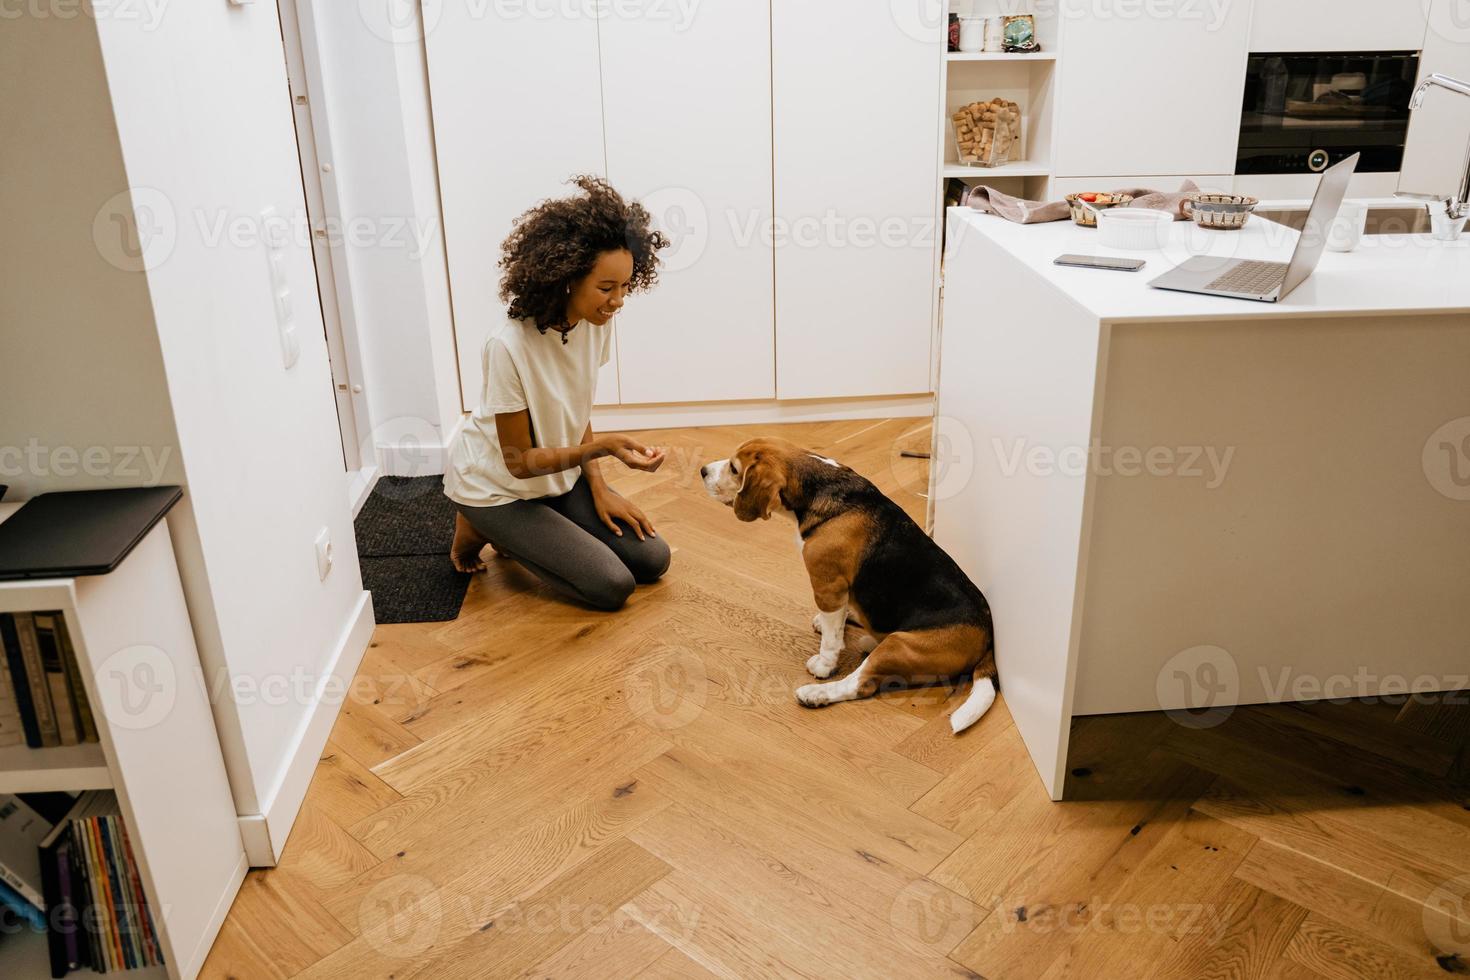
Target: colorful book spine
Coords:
[(97, 895), (122, 893), (15, 661), (85, 719), (110, 896), (153, 955), (35, 674), (57, 685)]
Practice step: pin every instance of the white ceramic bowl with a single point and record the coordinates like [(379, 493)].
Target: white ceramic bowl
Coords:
[(1136, 229)]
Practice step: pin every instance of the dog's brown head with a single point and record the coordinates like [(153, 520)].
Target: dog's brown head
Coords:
[(758, 479)]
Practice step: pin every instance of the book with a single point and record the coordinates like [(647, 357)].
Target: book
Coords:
[(152, 955), (12, 731), (87, 926), (122, 900), (15, 664), (98, 900), (11, 899), (21, 831), (57, 684), (51, 892), (35, 674), (62, 923), (85, 718), (56, 876)]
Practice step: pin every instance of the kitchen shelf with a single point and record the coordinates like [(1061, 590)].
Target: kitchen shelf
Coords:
[(1016, 168), (1000, 56), (65, 767)]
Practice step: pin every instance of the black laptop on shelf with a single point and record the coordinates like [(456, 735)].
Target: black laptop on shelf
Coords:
[(80, 532)]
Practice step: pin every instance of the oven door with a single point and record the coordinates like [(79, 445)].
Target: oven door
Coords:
[(1305, 111)]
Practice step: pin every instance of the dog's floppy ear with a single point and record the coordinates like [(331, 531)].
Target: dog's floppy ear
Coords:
[(762, 478)]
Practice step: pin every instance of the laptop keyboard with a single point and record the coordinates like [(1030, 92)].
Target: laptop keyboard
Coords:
[(1250, 276)]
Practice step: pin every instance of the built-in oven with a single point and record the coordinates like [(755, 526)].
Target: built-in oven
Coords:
[(1305, 111)]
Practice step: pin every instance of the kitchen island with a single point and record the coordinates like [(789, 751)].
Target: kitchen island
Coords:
[(1183, 502)]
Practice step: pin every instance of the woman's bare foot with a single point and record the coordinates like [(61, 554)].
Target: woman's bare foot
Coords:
[(465, 551)]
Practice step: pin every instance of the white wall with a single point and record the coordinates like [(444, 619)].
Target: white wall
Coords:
[(79, 359), (179, 346)]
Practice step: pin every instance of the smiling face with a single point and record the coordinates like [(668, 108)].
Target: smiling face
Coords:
[(600, 294)]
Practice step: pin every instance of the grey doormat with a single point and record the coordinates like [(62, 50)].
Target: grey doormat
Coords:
[(403, 536)]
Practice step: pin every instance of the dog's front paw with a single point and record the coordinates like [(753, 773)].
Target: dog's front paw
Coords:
[(811, 695), (821, 665)]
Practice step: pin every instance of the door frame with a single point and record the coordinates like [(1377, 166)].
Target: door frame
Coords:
[(302, 47)]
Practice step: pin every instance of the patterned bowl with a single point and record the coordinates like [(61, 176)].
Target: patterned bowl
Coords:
[(1225, 211), (1104, 200)]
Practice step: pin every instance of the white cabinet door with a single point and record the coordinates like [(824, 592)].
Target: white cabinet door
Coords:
[(1339, 25), (1151, 94), (687, 103), (856, 123), (516, 99)]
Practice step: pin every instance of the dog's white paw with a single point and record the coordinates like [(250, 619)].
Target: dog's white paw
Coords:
[(821, 665), (811, 695), (866, 643)]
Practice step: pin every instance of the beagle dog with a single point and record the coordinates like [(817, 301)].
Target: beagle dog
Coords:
[(869, 563)]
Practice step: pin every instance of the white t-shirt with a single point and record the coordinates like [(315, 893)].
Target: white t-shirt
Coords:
[(524, 368)]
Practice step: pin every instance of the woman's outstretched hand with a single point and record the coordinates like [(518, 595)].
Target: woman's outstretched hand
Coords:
[(613, 507), (632, 453)]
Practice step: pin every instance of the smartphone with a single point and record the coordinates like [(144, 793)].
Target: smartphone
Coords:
[(1099, 262)]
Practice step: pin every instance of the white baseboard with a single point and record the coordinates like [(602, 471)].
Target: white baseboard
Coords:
[(360, 485), (264, 834), (195, 961), (615, 418)]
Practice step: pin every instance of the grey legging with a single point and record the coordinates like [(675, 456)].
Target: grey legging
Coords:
[(562, 541)]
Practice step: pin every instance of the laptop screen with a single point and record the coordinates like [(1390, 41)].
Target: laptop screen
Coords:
[(1331, 189)]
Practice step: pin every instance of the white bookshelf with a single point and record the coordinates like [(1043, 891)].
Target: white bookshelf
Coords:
[(158, 751), (66, 767), (1027, 79), (1000, 56), (1014, 168)]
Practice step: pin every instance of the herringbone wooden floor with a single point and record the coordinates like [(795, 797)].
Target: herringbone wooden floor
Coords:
[(536, 789)]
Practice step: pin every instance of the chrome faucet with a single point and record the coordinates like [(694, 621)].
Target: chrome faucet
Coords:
[(1446, 215)]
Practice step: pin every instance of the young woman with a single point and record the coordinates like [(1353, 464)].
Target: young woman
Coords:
[(523, 472)]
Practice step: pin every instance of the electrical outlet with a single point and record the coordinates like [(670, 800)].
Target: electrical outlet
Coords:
[(323, 553)]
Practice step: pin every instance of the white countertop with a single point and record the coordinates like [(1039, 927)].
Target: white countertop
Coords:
[(1385, 274)]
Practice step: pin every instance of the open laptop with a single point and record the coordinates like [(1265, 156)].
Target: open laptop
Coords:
[(1268, 281)]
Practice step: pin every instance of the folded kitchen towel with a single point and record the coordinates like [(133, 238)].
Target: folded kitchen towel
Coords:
[(992, 201)]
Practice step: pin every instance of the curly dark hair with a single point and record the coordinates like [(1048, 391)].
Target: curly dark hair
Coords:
[(557, 242)]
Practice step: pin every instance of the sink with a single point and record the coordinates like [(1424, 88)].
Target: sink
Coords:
[(1388, 220)]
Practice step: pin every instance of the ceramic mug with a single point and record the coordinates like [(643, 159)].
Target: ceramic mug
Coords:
[(1346, 230), (972, 34), (995, 31)]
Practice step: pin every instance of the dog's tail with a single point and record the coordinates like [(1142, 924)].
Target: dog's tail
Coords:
[(982, 696), (984, 685)]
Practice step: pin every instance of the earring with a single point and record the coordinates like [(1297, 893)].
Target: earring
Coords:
[(569, 289)]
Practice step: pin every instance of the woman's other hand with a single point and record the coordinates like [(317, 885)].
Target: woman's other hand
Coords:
[(632, 453), (613, 507)]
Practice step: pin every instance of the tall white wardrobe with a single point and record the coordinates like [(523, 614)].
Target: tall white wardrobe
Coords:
[(805, 250)]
